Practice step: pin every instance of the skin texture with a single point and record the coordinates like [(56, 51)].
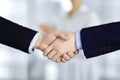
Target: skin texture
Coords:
[(66, 56), (60, 48), (46, 39), (50, 44)]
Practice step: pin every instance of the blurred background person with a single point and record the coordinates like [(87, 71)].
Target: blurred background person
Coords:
[(78, 17)]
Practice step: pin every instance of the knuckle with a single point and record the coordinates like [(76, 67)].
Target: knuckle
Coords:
[(58, 61), (45, 52), (43, 46), (67, 59), (49, 57), (54, 58), (64, 61)]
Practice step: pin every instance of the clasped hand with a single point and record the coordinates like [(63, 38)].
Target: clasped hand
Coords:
[(57, 46)]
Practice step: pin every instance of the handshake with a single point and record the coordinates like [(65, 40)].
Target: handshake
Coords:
[(57, 46)]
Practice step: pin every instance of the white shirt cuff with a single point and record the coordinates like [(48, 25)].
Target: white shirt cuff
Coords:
[(34, 40), (79, 44), (78, 40)]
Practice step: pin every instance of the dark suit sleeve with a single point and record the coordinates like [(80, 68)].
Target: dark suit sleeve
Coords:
[(101, 39), (15, 35)]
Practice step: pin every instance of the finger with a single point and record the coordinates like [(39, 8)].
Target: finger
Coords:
[(63, 60), (76, 52), (59, 60), (52, 54), (71, 54), (66, 57), (47, 50), (56, 56), (61, 35)]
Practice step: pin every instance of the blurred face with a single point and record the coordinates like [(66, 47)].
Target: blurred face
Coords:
[(76, 5)]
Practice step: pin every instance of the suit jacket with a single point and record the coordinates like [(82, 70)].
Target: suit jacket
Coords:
[(101, 39), (15, 35)]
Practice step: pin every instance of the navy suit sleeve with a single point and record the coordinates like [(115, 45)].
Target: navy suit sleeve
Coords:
[(101, 39), (15, 35)]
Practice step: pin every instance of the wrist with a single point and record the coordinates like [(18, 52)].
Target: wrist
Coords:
[(38, 42), (77, 50), (33, 42), (78, 40), (74, 35)]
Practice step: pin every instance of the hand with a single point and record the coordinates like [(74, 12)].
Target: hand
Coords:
[(46, 39), (60, 47), (67, 56)]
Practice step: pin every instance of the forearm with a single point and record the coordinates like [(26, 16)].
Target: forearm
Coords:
[(101, 39), (15, 35)]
